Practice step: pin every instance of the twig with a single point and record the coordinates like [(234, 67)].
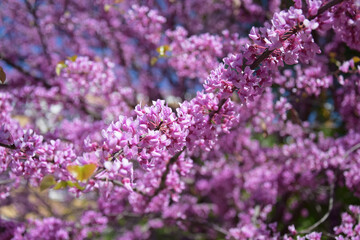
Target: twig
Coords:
[(45, 203), (209, 224), (261, 58), (167, 170), (26, 73), (354, 148), (32, 10), (6, 181), (12, 146), (323, 219), (212, 113), (325, 8)]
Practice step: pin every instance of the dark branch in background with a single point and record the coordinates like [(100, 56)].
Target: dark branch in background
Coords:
[(323, 219), (288, 34), (45, 203), (6, 181), (119, 47), (295, 117), (25, 72), (351, 150), (32, 10), (207, 224)]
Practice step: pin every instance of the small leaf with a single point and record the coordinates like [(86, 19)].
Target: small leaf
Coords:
[(75, 184), (60, 66), (73, 58), (162, 50), (88, 170), (82, 173), (107, 7), (153, 61), (2, 75), (47, 182), (60, 185), (332, 56), (356, 59), (75, 171)]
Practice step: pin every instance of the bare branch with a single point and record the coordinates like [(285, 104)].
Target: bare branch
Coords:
[(323, 219), (32, 10), (6, 181), (351, 150)]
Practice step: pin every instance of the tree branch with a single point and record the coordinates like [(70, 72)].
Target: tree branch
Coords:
[(12, 146), (354, 148), (325, 8), (26, 73), (165, 173), (32, 10), (323, 219), (6, 181)]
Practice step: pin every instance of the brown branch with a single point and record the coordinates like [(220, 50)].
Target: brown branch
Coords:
[(325, 8), (12, 146), (261, 58), (212, 113), (165, 173)]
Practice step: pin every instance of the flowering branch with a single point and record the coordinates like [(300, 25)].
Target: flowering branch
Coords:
[(294, 30)]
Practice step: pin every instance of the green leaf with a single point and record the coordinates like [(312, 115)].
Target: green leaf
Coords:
[(64, 184), (73, 58), (153, 60), (75, 184), (47, 182), (60, 185), (82, 173), (60, 66)]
